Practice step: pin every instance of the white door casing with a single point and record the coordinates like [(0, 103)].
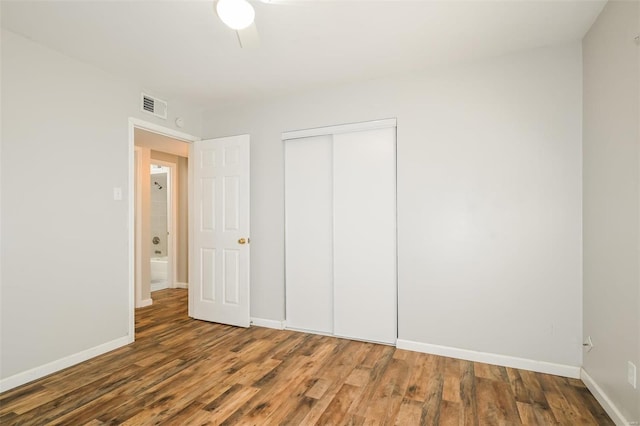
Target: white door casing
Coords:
[(340, 230), (219, 230)]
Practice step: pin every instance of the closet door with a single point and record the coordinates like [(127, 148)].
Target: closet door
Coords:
[(364, 247), (309, 231)]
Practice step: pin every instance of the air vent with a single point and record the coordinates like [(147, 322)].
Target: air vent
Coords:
[(154, 106)]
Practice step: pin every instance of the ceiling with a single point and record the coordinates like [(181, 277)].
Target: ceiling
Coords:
[(181, 50)]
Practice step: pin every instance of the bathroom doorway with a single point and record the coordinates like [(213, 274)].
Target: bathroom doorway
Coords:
[(161, 214), (162, 232)]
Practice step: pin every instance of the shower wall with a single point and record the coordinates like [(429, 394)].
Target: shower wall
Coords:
[(158, 214)]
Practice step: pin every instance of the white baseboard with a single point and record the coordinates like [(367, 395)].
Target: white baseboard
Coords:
[(159, 286), (62, 363), (144, 303), (604, 400), (182, 285), (261, 322), (491, 358)]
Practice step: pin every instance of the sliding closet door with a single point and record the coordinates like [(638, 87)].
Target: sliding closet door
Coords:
[(364, 249), (309, 231)]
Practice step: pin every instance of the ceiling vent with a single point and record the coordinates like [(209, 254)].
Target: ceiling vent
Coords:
[(154, 106)]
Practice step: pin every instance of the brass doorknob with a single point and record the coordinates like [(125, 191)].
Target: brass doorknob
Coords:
[(242, 241)]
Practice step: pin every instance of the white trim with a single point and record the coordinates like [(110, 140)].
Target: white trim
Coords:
[(131, 222), (261, 322), (491, 358), (604, 400), (342, 128), (182, 285), (158, 286), (144, 303), (145, 125), (62, 363), (190, 231)]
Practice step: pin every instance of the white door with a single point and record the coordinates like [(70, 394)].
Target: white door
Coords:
[(219, 230), (309, 234), (364, 229), (340, 218)]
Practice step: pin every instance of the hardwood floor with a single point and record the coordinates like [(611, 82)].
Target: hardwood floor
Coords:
[(186, 372)]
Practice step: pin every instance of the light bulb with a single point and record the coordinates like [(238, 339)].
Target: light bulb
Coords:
[(236, 14)]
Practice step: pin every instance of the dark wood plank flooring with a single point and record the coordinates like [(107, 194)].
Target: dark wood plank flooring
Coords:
[(186, 372)]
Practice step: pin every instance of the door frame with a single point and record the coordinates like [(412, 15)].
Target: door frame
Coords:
[(136, 123), (172, 223), (331, 131)]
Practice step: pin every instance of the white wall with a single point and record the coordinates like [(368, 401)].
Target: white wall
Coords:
[(489, 198), (64, 248), (612, 202)]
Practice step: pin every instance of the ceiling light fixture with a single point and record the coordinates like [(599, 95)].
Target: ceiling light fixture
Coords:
[(236, 14)]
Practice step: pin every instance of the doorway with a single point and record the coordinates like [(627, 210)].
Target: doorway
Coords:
[(168, 150), (216, 186), (163, 229)]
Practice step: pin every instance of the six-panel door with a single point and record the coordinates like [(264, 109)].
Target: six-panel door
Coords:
[(219, 205)]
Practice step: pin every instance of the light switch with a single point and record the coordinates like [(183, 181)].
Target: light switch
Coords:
[(117, 193)]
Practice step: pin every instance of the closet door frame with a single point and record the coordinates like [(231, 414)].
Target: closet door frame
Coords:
[(341, 128), (290, 136)]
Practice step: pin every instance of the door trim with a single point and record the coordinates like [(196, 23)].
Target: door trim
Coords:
[(136, 123), (293, 137), (340, 128)]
